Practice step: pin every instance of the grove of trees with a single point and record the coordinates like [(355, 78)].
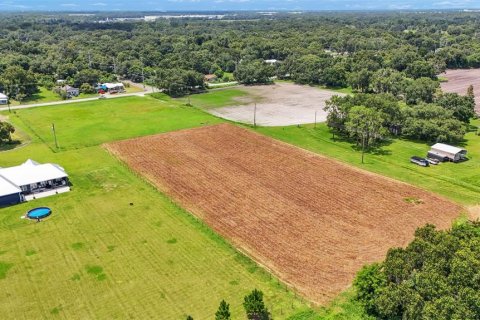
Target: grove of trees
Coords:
[(253, 304), (396, 53), (437, 276), (442, 118)]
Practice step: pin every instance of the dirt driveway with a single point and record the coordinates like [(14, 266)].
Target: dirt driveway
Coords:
[(281, 104)]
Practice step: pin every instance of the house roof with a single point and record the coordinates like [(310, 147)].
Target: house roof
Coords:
[(210, 76), (7, 188), (32, 172), (447, 148), (69, 88), (113, 85), (3, 96)]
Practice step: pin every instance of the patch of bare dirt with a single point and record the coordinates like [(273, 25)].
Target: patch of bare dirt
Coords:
[(460, 79), (280, 104)]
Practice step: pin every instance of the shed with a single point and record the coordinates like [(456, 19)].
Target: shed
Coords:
[(445, 152), (3, 99), (9, 193)]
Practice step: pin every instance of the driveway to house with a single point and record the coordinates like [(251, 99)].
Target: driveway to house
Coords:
[(148, 89)]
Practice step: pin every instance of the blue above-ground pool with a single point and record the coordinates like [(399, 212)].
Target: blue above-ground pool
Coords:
[(39, 213)]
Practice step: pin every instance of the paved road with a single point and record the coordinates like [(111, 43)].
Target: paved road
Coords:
[(148, 89)]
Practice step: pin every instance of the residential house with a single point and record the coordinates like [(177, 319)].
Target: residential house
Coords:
[(33, 180)]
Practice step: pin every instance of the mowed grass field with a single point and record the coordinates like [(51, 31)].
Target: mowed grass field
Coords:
[(115, 247), (91, 123), (459, 182)]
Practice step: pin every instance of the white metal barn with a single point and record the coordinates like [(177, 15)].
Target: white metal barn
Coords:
[(445, 152)]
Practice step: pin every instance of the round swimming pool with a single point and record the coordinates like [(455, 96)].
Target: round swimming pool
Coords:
[(39, 213)]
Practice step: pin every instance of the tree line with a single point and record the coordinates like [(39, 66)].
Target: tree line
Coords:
[(370, 118), (396, 53), (437, 276)]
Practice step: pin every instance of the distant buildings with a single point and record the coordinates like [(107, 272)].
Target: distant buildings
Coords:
[(210, 77), (31, 180), (71, 91), (272, 61), (111, 87), (3, 99)]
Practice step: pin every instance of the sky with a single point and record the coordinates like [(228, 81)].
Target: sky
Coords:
[(233, 5)]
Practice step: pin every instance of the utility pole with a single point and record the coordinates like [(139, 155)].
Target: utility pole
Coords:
[(255, 115), (54, 135), (315, 124), (143, 78), (89, 59)]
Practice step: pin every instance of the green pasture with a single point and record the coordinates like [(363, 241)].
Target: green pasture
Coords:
[(115, 247), (91, 123), (217, 98)]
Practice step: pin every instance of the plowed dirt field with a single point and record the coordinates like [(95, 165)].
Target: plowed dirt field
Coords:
[(313, 221)]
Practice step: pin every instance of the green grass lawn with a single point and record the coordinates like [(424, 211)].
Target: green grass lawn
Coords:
[(216, 98), (114, 246), (46, 95), (91, 123)]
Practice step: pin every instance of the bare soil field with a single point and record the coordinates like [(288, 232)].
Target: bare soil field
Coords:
[(459, 80), (281, 104), (314, 222)]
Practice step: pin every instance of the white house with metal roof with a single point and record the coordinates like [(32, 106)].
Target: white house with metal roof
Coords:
[(34, 180)]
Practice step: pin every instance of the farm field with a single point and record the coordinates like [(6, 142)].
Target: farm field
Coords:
[(280, 104), (312, 220), (98, 256), (457, 181), (459, 80)]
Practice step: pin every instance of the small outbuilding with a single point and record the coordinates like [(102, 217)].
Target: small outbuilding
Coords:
[(10, 194), (3, 98), (445, 152), (71, 91)]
